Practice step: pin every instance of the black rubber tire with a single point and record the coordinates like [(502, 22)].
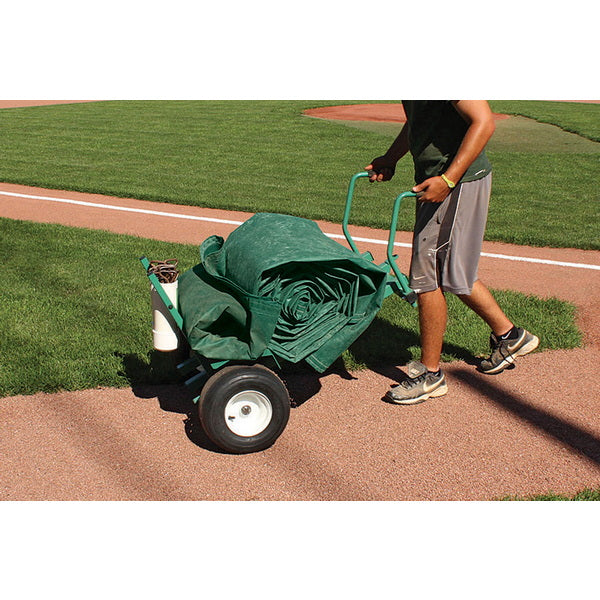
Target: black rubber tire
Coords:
[(223, 386)]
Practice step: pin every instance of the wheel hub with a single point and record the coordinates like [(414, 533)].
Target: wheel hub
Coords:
[(248, 413)]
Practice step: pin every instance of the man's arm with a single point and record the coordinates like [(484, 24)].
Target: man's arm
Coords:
[(478, 115), (384, 166)]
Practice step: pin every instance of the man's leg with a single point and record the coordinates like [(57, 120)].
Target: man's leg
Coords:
[(507, 341), (425, 378), (484, 304), (433, 315)]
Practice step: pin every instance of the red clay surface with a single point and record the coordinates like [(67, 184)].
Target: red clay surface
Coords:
[(532, 429), (24, 103), (387, 113)]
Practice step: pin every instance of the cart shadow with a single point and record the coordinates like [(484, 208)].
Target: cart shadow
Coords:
[(155, 377), (154, 380)]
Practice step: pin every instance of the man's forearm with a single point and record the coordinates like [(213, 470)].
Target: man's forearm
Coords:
[(400, 145)]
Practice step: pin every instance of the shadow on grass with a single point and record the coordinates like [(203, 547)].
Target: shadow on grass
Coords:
[(384, 347)]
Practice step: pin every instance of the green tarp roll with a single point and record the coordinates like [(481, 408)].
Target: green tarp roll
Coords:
[(278, 283)]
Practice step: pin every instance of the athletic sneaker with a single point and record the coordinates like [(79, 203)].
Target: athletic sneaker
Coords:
[(422, 384), (504, 352)]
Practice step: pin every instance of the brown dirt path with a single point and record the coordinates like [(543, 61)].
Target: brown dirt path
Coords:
[(530, 430), (26, 103), (387, 113)]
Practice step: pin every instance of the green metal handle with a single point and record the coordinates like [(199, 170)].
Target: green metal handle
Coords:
[(349, 207), (402, 281)]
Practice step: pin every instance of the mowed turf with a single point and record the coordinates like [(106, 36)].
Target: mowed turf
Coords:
[(75, 303), (75, 314), (267, 156)]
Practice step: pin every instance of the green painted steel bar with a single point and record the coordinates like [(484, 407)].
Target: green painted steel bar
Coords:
[(346, 218), (402, 280), (162, 294)]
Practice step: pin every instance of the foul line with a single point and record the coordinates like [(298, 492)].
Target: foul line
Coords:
[(121, 208), (331, 235)]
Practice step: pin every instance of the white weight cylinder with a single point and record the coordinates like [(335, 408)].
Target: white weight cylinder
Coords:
[(164, 328)]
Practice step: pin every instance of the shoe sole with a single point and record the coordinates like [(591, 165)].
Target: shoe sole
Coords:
[(509, 360), (434, 394)]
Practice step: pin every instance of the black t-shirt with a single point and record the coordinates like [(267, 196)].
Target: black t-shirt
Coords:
[(435, 134)]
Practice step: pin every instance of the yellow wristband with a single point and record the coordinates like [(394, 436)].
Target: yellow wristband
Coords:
[(449, 183)]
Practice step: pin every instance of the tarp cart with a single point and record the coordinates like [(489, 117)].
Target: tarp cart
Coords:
[(278, 289)]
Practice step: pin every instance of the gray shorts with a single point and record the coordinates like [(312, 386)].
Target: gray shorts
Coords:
[(448, 237)]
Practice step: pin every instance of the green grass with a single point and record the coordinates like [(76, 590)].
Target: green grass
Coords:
[(267, 156), (580, 118), (75, 308), (76, 313), (467, 336), (255, 156), (585, 495)]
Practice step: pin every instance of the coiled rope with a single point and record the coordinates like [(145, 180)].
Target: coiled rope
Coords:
[(165, 270)]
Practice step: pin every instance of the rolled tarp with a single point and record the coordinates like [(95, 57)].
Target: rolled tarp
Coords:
[(279, 284)]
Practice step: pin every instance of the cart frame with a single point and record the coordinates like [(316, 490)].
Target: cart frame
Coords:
[(198, 369)]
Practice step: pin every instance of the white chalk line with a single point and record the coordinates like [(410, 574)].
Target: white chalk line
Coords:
[(331, 235)]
